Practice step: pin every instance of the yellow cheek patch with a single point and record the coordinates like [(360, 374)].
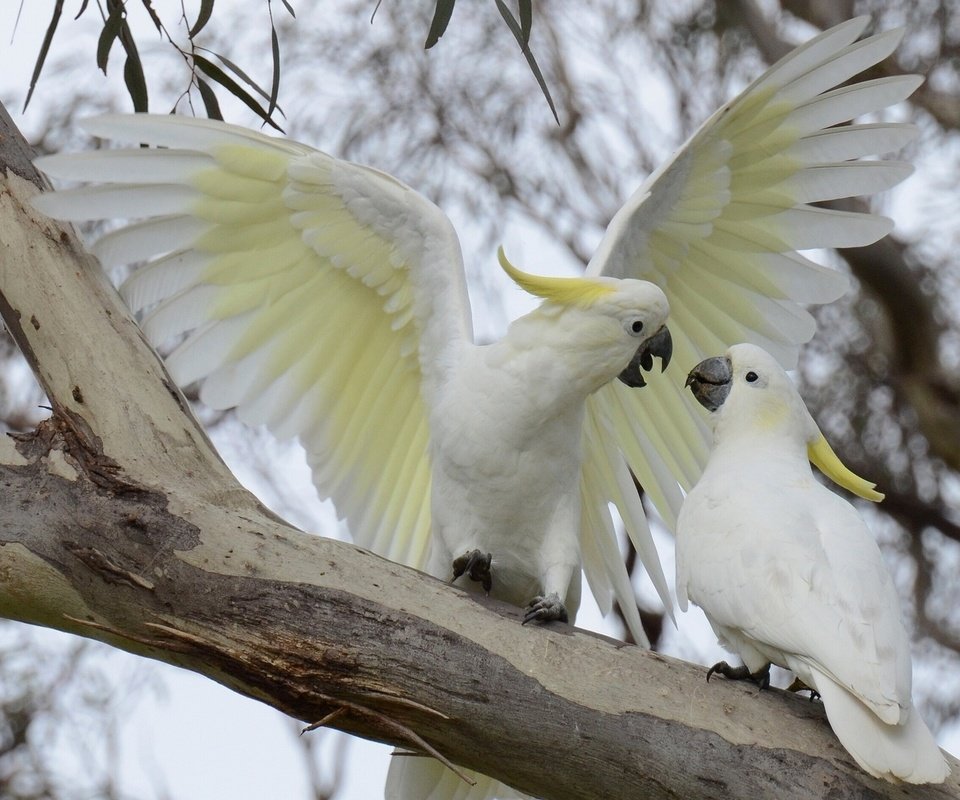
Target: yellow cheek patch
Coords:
[(769, 416), (822, 456)]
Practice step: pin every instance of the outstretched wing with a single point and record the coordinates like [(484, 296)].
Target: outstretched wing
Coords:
[(718, 229), (302, 289)]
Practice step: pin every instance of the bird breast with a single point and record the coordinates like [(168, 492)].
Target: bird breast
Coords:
[(502, 466)]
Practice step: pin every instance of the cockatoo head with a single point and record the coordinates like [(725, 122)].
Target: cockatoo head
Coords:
[(620, 321), (750, 394)]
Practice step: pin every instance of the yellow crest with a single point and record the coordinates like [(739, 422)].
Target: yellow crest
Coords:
[(822, 456), (582, 292)]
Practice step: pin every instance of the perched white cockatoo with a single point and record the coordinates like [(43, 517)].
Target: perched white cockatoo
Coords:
[(327, 301), (787, 572)]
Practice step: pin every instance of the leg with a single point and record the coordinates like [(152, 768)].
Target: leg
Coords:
[(559, 599), (559, 568)]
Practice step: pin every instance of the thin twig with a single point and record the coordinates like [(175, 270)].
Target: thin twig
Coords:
[(393, 726)]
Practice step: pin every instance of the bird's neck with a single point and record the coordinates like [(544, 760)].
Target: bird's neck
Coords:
[(769, 440), (561, 355), (769, 424)]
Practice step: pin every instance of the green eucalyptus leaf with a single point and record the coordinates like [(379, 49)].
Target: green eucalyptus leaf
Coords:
[(152, 12), (209, 97), (109, 34), (517, 31), (275, 82), (217, 75), (44, 50), (526, 19), (203, 17), (133, 75), (441, 18)]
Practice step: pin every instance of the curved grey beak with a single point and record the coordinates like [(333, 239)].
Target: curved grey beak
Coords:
[(710, 381), (659, 345)]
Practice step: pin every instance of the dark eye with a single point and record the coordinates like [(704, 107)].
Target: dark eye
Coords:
[(637, 326), (751, 377)]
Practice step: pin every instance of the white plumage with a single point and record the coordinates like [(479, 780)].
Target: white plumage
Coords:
[(327, 301), (787, 572)]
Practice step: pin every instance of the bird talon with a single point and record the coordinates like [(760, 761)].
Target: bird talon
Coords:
[(799, 686), (742, 673), (547, 608), (476, 565)]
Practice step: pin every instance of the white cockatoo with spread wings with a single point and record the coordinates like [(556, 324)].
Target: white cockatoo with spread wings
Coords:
[(327, 301)]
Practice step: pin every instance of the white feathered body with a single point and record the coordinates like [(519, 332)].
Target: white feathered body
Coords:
[(755, 559), (523, 509), (506, 451), (787, 572)]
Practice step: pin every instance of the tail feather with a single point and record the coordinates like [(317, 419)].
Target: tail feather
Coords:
[(412, 778), (905, 752)]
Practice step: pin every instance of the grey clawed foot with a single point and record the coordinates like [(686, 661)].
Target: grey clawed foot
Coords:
[(545, 609), (761, 677), (477, 567)]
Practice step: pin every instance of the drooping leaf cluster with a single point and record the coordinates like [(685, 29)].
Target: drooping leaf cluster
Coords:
[(204, 70), (519, 28), (208, 69)]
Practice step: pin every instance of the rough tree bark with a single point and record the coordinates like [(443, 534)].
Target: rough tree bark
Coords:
[(119, 522)]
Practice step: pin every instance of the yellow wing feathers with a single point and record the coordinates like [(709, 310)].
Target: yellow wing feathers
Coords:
[(289, 296)]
